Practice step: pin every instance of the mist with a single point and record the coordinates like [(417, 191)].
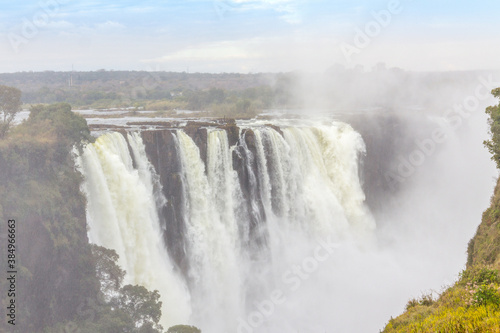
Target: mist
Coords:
[(428, 179)]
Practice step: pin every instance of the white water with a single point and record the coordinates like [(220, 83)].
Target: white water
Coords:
[(122, 215), (307, 199), (211, 229)]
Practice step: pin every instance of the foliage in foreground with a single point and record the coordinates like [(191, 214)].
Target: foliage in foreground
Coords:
[(116, 308), (471, 305)]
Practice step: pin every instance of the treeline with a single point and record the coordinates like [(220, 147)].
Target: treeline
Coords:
[(217, 102), (119, 89), (232, 95), (335, 89), (127, 82)]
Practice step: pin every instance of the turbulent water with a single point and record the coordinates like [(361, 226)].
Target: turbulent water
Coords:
[(262, 256)]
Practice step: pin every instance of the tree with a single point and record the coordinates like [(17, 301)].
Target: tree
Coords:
[(493, 144), (142, 305), (108, 272), (134, 308), (10, 104), (183, 329), (69, 127)]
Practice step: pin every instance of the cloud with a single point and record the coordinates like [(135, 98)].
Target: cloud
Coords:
[(60, 25), (110, 25), (220, 51), (289, 9), (291, 14)]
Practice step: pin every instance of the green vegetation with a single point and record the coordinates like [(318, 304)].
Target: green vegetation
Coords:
[(183, 329), (40, 189), (493, 144), (219, 103), (215, 102), (10, 104), (119, 308), (473, 303), (230, 95)]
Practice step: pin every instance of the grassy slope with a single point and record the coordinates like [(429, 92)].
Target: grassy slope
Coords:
[(484, 248)]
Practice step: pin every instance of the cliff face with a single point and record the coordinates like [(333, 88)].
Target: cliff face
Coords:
[(40, 190), (388, 138), (56, 270), (163, 155)]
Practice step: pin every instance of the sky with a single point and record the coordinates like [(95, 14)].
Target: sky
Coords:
[(248, 36)]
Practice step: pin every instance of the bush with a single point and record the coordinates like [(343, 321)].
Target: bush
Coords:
[(424, 300), (479, 276), (183, 329), (493, 144), (486, 295)]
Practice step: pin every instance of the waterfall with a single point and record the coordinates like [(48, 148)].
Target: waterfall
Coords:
[(122, 215), (210, 226), (253, 208)]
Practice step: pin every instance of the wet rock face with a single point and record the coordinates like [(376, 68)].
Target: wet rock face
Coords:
[(162, 153), (245, 164), (389, 139), (233, 133), (198, 132)]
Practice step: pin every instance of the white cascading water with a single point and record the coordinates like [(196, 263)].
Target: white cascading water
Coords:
[(122, 215), (309, 201), (313, 202), (314, 174), (211, 229)]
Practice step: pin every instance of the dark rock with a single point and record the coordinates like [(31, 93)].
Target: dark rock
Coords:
[(233, 133), (162, 153), (276, 128)]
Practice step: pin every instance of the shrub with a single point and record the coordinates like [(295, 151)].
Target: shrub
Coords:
[(485, 295), (183, 329), (424, 300), (479, 276)]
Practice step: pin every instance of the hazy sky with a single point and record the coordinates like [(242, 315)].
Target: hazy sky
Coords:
[(248, 36)]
